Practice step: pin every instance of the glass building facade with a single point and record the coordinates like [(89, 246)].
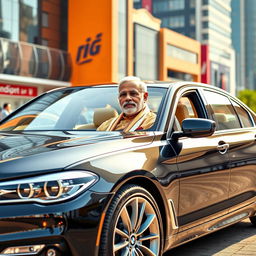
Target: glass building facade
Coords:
[(22, 52), (250, 44), (19, 20), (33, 44)]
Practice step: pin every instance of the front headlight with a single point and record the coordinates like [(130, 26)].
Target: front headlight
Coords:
[(46, 188)]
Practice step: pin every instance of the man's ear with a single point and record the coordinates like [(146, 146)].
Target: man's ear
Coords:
[(145, 96)]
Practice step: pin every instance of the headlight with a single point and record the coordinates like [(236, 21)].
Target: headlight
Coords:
[(46, 188)]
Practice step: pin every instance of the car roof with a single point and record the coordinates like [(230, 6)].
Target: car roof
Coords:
[(162, 84)]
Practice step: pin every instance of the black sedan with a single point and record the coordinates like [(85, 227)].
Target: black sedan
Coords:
[(68, 189)]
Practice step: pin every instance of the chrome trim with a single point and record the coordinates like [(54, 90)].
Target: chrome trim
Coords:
[(174, 220)]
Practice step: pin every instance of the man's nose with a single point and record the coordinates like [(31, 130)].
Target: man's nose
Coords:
[(128, 97)]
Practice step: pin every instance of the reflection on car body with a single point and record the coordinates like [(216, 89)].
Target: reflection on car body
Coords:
[(68, 189)]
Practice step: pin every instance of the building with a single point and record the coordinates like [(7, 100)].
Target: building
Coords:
[(33, 46), (116, 40), (56, 43), (208, 21), (244, 42)]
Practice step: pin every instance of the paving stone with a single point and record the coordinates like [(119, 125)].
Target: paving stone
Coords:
[(237, 240)]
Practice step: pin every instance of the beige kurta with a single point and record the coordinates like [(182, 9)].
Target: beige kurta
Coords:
[(142, 121)]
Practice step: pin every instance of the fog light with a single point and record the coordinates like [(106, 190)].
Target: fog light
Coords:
[(23, 250), (51, 252)]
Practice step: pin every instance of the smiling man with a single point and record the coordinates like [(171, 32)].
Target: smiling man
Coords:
[(135, 114)]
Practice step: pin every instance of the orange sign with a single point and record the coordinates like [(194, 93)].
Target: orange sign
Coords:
[(92, 41)]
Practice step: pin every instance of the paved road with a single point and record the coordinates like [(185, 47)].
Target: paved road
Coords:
[(238, 240)]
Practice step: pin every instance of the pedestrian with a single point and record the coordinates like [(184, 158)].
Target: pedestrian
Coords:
[(7, 109)]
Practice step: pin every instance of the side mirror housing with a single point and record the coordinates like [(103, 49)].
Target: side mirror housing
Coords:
[(195, 127)]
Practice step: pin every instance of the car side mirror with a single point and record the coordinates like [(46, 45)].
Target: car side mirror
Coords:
[(195, 127)]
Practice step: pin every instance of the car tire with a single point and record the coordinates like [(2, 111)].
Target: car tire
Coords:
[(253, 220), (132, 225)]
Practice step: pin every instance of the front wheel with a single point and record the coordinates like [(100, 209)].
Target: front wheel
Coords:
[(133, 225)]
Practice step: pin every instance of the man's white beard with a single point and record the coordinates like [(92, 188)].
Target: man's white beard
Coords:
[(130, 111)]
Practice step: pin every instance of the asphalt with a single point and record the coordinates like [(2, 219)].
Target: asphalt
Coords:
[(238, 240)]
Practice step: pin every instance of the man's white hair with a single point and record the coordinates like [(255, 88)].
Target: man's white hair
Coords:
[(136, 79)]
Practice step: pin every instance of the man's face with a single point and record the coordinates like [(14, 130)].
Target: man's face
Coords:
[(131, 98)]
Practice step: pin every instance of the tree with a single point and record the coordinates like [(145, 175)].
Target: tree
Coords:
[(248, 97)]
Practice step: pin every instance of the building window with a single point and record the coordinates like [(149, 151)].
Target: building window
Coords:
[(146, 54), (205, 24), (192, 3), (176, 4), (205, 2), (160, 6), (28, 27), (45, 22), (177, 21), (205, 36), (205, 12), (192, 20), (182, 54)]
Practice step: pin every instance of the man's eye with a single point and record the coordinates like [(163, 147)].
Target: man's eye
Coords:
[(134, 93), (122, 95)]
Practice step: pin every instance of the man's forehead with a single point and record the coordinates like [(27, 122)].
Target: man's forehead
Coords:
[(129, 86)]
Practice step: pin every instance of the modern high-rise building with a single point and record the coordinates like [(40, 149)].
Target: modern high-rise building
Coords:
[(208, 21), (244, 42), (33, 49)]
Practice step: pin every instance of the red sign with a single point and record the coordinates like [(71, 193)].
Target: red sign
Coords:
[(18, 90), (147, 4), (205, 64)]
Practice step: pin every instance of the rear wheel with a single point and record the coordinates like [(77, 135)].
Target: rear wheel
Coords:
[(133, 225)]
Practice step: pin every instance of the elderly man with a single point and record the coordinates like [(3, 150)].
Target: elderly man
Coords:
[(135, 114)]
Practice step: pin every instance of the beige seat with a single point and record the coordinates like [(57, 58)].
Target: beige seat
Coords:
[(182, 112), (100, 115)]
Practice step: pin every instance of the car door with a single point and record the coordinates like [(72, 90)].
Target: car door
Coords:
[(203, 165), (237, 124)]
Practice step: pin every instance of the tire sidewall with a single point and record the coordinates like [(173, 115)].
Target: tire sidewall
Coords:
[(120, 199)]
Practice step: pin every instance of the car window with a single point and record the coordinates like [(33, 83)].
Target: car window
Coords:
[(74, 109), (222, 111), (188, 107), (244, 116)]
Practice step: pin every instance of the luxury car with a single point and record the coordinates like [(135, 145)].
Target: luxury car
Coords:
[(68, 189)]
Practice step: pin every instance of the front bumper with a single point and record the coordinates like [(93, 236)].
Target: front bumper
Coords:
[(67, 229)]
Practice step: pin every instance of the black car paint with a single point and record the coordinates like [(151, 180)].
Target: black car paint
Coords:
[(168, 168)]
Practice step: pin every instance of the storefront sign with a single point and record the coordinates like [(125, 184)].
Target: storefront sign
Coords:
[(86, 52), (18, 90)]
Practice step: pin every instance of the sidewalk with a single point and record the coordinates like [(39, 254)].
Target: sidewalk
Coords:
[(238, 240)]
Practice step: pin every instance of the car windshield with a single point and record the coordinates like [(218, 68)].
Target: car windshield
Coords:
[(73, 109)]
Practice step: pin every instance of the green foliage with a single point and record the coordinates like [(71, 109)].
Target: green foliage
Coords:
[(248, 97)]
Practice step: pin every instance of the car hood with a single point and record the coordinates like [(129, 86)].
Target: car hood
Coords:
[(39, 152)]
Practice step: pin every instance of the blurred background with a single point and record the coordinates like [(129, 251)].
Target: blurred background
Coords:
[(46, 44)]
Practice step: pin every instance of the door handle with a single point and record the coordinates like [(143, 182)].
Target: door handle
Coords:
[(223, 148)]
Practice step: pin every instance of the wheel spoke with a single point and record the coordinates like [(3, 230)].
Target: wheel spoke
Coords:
[(146, 251), (126, 252), (135, 212), (126, 220), (148, 237), (140, 253), (142, 210), (146, 224), (120, 245), (121, 233), (135, 253)]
